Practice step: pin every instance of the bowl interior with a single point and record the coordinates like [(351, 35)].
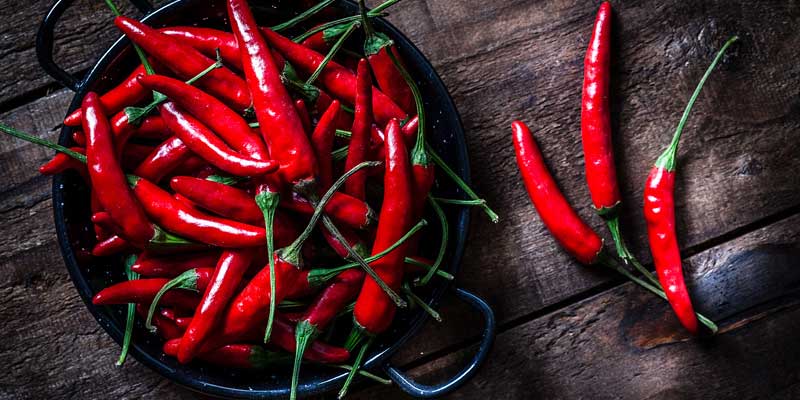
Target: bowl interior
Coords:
[(90, 275)]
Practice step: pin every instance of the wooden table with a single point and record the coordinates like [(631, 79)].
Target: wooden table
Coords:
[(565, 330)]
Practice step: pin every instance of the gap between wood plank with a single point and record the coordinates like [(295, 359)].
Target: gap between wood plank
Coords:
[(606, 286)]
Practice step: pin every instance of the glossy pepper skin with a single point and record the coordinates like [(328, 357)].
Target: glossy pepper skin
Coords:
[(659, 213), (232, 203), (108, 179), (207, 41), (187, 222), (227, 276), (186, 62), (207, 145), (126, 93), (374, 309), (163, 160), (144, 290), (322, 140), (208, 110), (154, 266), (356, 186), (165, 328), (598, 151), (280, 125), (574, 235), (338, 80)]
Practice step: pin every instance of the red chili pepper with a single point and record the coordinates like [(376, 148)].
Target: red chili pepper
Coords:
[(163, 160), (192, 166), (374, 309), (596, 118), (659, 212), (322, 140), (165, 328), (339, 81), (62, 162), (233, 203), (186, 62), (183, 322), (302, 112), (228, 274), (244, 356), (107, 177), (342, 208), (126, 93), (360, 139), (390, 80), (353, 240), (214, 114), (143, 291), (150, 127), (207, 41), (79, 138), (151, 265), (321, 312), (203, 142), (103, 220), (111, 246), (574, 235), (176, 217), (317, 42), (281, 127)]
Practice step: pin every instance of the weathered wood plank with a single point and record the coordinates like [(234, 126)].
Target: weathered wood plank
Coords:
[(626, 344)]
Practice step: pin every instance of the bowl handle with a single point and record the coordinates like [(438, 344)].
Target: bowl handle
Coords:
[(428, 391), (45, 42)]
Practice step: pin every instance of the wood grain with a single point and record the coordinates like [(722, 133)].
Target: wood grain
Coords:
[(501, 60)]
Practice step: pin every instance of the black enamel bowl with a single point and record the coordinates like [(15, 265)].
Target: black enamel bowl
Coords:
[(70, 203)]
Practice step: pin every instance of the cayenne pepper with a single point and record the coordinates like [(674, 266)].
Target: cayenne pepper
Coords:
[(659, 212), (126, 93), (362, 125)]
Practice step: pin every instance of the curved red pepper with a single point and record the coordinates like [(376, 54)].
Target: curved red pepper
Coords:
[(186, 62), (360, 138), (342, 208), (601, 175), (62, 162), (203, 142), (389, 78), (281, 127), (339, 81), (143, 291), (374, 309), (574, 235), (164, 327), (107, 177), (127, 93), (163, 160), (243, 356), (214, 114), (228, 274), (187, 222), (111, 246), (322, 140), (149, 265)]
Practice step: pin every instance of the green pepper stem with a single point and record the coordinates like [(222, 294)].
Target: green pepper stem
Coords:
[(268, 201), (302, 16), (442, 245), (366, 374), (612, 220), (460, 202), (375, 12), (421, 303), (317, 277), (356, 366), (328, 57), (291, 253), (129, 320), (304, 334), (46, 143), (667, 159), (419, 155), (187, 280), (460, 182), (611, 263)]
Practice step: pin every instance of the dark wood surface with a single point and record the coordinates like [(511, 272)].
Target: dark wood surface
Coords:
[(566, 331)]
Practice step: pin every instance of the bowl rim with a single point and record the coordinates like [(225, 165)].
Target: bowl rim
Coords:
[(459, 224)]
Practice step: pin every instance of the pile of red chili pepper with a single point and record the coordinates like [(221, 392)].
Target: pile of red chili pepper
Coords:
[(245, 233), (567, 227)]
